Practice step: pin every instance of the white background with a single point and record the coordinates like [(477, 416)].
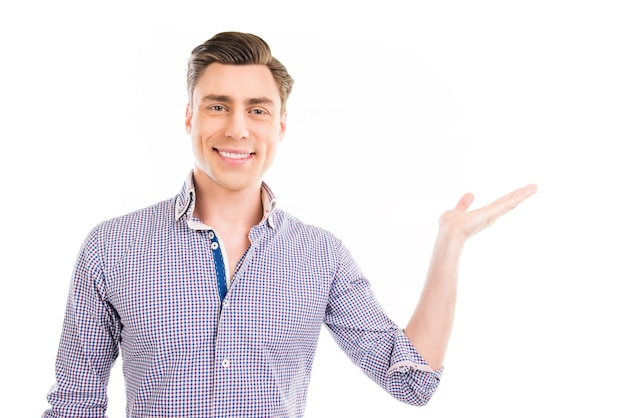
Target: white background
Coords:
[(398, 109)]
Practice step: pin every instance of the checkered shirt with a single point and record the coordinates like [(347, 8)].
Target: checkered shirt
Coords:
[(145, 283)]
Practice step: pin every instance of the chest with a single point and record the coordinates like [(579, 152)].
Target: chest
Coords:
[(169, 294), (235, 247)]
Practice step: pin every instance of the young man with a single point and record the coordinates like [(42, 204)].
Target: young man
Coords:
[(216, 297)]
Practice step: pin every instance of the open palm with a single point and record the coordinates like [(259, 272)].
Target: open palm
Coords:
[(461, 223)]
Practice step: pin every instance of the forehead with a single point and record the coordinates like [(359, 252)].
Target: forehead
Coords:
[(239, 82)]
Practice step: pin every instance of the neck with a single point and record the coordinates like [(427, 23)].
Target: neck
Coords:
[(217, 206)]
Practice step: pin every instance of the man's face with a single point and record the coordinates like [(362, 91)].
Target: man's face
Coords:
[(235, 125)]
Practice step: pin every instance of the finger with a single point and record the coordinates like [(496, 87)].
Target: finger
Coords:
[(511, 200), (518, 195), (528, 190), (465, 202)]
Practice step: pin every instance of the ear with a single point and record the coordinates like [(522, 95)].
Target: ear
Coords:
[(283, 126), (188, 116)]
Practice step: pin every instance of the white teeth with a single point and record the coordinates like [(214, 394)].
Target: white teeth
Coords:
[(234, 156)]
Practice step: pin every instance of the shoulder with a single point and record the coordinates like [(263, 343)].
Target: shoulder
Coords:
[(292, 231), (114, 236), (291, 224), (143, 219), (316, 244)]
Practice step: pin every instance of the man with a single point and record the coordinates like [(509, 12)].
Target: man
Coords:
[(216, 297)]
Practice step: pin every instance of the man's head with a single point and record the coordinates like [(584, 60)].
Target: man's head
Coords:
[(236, 115), (237, 48)]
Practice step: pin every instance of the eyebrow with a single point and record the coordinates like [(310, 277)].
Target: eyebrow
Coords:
[(227, 99)]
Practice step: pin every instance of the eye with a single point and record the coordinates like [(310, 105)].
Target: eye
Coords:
[(259, 112), (216, 108)]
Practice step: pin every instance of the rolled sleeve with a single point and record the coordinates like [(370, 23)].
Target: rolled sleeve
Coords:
[(373, 341), (408, 370)]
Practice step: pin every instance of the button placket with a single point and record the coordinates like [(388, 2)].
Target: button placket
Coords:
[(220, 267)]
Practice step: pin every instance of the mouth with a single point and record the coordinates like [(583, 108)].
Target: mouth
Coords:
[(234, 155)]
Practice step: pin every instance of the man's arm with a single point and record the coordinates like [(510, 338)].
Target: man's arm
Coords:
[(89, 342), (430, 325)]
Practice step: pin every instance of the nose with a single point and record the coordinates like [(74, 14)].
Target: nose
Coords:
[(237, 127)]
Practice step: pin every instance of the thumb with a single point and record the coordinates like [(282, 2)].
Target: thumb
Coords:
[(464, 202)]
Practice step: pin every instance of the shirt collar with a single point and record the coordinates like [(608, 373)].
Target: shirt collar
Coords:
[(186, 201)]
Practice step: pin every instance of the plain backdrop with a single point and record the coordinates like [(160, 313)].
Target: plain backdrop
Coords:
[(398, 109)]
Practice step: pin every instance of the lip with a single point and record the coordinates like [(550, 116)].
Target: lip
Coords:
[(234, 156)]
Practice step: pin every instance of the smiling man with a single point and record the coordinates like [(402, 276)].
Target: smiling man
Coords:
[(216, 297)]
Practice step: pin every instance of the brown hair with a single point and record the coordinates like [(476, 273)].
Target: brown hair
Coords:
[(237, 48)]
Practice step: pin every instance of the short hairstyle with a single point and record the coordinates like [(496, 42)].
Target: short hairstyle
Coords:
[(237, 48)]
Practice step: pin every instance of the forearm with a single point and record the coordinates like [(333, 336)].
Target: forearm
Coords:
[(430, 326), (81, 372)]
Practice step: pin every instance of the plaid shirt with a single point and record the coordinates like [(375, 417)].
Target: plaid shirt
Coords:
[(145, 283)]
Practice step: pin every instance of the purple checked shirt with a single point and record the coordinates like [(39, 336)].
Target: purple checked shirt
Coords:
[(145, 284)]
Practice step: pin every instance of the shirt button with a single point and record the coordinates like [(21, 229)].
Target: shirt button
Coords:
[(211, 234), (214, 245), (225, 362), (225, 303)]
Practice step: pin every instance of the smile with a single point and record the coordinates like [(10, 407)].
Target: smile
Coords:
[(234, 155)]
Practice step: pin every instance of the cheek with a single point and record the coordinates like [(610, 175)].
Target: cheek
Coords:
[(199, 137), (202, 147), (199, 146), (270, 154)]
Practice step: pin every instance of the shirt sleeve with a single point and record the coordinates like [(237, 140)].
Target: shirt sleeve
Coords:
[(89, 342), (372, 340)]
